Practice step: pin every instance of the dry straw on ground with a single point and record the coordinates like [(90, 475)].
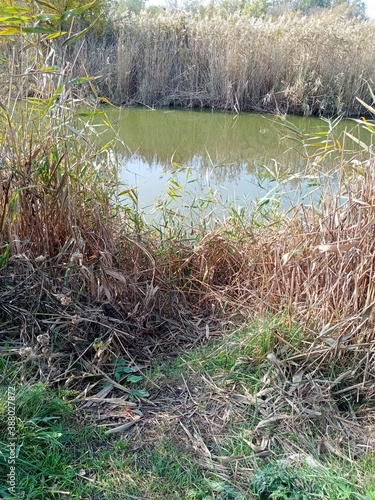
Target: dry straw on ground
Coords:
[(91, 283)]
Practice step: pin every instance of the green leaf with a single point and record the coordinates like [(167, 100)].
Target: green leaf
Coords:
[(104, 99), (141, 393), (79, 35), (83, 79), (367, 106), (57, 92), (47, 17), (9, 31), (38, 29), (10, 11), (17, 20), (132, 193), (56, 35), (371, 93), (89, 115), (50, 68), (122, 369), (75, 131), (76, 12), (134, 378), (46, 4), (5, 256), (129, 369), (363, 145), (44, 419)]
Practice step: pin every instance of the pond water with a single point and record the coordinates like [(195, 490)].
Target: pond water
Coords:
[(236, 158)]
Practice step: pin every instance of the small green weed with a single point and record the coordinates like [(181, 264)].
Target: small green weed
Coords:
[(126, 373), (277, 481)]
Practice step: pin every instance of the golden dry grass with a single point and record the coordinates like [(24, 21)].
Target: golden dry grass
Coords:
[(316, 263), (291, 64), (65, 232), (85, 282)]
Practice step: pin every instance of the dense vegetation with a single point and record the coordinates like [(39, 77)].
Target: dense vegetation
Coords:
[(315, 65), (229, 57), (91, 293), (217, 58), (256, 8)]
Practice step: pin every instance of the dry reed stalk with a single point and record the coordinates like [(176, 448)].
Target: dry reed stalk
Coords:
[(316, 263), (314, 65), (59, 221)]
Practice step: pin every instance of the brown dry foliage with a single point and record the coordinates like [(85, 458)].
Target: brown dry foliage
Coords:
[(292, 64), (317, 263)]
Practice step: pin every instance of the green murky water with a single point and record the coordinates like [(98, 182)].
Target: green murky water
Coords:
[(239, 158)]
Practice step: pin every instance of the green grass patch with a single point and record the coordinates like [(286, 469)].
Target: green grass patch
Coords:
[(238, 363), (52, 446), (238, 356), (57, 452), (278, 481)]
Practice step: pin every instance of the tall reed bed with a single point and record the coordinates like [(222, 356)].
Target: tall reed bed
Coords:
[(292, 64), (87, 263)]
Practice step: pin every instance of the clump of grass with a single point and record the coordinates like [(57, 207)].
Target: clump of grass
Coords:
[(283, 481), (51, 445), (257, 429)]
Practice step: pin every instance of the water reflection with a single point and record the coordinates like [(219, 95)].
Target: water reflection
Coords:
[(219, 151)]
